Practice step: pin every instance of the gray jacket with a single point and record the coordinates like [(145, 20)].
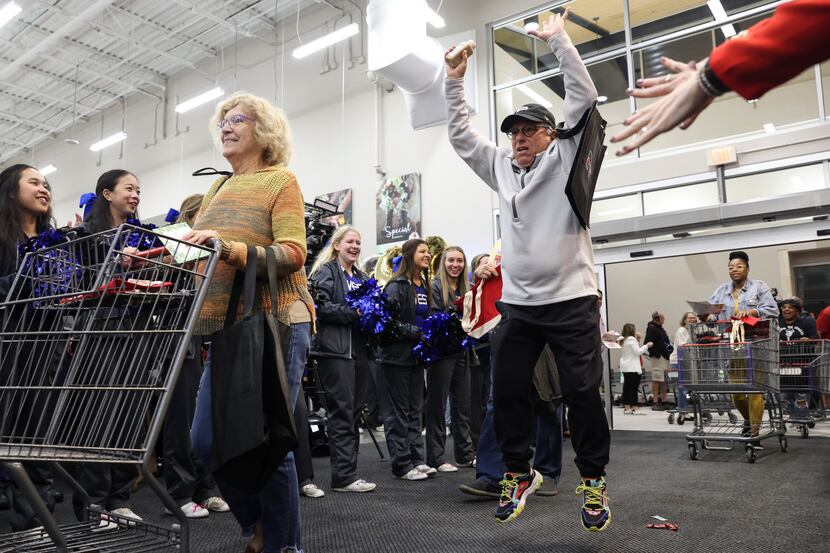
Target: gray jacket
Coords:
[(546, 254)]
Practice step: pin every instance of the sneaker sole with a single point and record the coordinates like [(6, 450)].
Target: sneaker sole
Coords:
[(594, 528), (521, 507), (344, 490)]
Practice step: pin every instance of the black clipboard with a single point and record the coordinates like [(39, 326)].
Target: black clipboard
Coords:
[(585, 170)]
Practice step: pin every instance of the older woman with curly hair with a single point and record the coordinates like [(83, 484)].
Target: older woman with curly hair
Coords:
[(259, 205)]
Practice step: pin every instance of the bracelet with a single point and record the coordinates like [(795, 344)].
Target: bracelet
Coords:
[(709, 83)]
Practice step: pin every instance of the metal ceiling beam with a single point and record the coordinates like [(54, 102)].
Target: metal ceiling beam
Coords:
[(55, 38), (216, 19), (167, 31)]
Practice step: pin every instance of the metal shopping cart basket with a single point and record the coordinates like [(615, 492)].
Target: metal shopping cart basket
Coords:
[(92, 337), (805, 366), (737, 359)]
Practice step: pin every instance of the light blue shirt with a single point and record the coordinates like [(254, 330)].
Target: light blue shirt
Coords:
[(755, 294)]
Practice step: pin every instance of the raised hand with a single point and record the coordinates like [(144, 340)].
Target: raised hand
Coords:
[(553, 25), (458, 70), (664, 84)]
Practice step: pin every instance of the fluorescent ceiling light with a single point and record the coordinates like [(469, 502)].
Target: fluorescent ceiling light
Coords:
[(533, 95), (48, 170), (8, 11), (435, 20), (203, 98), (769, 128), (720, 14), (602, 99), (108, 141), (326, 41)]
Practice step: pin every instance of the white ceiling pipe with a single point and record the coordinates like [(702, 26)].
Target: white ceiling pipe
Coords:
[(52, 41)]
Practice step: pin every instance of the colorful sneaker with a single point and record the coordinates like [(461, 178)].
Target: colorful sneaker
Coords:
[(426, 469), (515, 488), (596, 515)]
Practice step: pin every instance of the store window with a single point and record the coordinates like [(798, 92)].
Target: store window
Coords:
[(775, 183), (594, 27), (612, 209), (693, 196)]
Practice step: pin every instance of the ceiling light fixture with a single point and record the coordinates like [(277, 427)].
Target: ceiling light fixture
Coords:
[(108, 141), (8, 11), (533, 95), (197, 101), (326, 41), (48, 170), (720, 14)]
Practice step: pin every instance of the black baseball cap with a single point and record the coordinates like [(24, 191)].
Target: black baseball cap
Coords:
[(536, 113), (793, 301)]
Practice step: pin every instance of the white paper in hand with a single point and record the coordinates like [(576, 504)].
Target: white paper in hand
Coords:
[(705, 308), (181, 252)]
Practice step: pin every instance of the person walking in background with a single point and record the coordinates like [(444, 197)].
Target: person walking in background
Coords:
[(631, 368), (744, 297), (658, 353)]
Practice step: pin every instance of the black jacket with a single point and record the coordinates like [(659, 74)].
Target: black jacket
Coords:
[(436, 303), (656, 334), (400, 293), (337, 333)]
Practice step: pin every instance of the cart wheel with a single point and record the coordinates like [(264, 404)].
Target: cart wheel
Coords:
[(811, 425), (694, 452), (680, 419), (804, 432), (733, 418), (671, 418), (750, 454), (782, 441)]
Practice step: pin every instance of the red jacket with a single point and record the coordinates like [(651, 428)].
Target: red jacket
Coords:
[(823, 323), (775, 50)]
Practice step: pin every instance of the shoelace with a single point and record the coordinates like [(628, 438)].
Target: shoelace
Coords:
[(507, 487), (593, 494)]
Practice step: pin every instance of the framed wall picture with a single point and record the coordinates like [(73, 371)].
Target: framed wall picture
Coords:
[(398, 205)]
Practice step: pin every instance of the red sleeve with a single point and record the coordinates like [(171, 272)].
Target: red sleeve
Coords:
[(774, 50), (823, 323)]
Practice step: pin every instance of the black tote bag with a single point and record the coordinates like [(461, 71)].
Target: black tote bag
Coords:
[(582, 179), (252, 416)]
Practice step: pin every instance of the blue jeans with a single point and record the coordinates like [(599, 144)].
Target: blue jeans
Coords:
[(547, 458), (277, 507)]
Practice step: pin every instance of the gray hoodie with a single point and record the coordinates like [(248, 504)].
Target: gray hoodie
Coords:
[(546, 254)]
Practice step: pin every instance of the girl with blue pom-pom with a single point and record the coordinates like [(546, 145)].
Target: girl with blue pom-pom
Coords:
[(449, 375), (409, 294), (342, 354)]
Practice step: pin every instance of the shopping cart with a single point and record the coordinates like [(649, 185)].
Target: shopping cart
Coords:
[(731, 358), (805, 364), (92, 337)]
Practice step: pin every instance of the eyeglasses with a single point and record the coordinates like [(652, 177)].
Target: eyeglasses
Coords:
[(233, 120), (528, 131)]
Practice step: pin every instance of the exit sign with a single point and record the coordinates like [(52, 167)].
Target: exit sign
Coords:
[(721, 156)]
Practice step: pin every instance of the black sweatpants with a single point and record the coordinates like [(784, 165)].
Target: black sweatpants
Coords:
[(187, 478), (631, 385), (374, 394), (403, 405), (448, 378), (344, 381), (479, 392), (570, 328), (108, 485)]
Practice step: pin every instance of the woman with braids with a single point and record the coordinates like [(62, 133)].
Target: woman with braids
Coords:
[(409, 290)]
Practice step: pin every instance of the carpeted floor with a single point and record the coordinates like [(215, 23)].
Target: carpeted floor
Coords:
[(721, 503)]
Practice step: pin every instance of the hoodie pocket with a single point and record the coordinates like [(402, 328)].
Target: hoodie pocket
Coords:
[(513, 206)]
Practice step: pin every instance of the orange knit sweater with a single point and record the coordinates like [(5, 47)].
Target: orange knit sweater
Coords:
[(263, 209)]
